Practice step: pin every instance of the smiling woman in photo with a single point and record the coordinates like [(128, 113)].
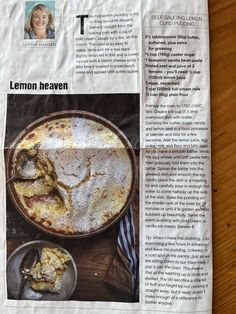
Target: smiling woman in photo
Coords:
[(40, 23)]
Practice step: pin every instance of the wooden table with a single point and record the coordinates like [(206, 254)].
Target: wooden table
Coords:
[(95, 256), (223, 99)]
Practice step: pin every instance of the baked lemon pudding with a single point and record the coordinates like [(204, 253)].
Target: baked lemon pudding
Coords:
[(81, 175), (47, 274)]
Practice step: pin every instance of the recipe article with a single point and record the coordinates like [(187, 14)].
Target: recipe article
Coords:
[(105, 157), (177, 247)]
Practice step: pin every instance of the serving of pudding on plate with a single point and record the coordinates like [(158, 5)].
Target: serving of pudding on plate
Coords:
[(47, 274), (79, 175)]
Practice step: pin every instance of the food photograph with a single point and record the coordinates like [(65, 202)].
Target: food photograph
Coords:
[(72, 181)]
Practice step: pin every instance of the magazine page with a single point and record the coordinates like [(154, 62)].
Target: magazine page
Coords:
[(105, 157)]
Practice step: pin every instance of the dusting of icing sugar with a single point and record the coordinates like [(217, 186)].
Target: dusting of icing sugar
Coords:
[(92, 167)]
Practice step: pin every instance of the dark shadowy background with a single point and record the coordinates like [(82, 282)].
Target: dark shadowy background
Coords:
[(121, 109), (93, 256)]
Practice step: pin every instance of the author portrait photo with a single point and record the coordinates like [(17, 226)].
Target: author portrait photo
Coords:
[(39, 22)]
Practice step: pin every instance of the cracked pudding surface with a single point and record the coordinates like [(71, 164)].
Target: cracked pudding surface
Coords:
[(84, 175)]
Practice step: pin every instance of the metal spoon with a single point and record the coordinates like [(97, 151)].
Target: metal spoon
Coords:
[(24, 167), (28, 262)]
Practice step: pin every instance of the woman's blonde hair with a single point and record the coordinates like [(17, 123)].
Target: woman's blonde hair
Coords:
[(29, 26)]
